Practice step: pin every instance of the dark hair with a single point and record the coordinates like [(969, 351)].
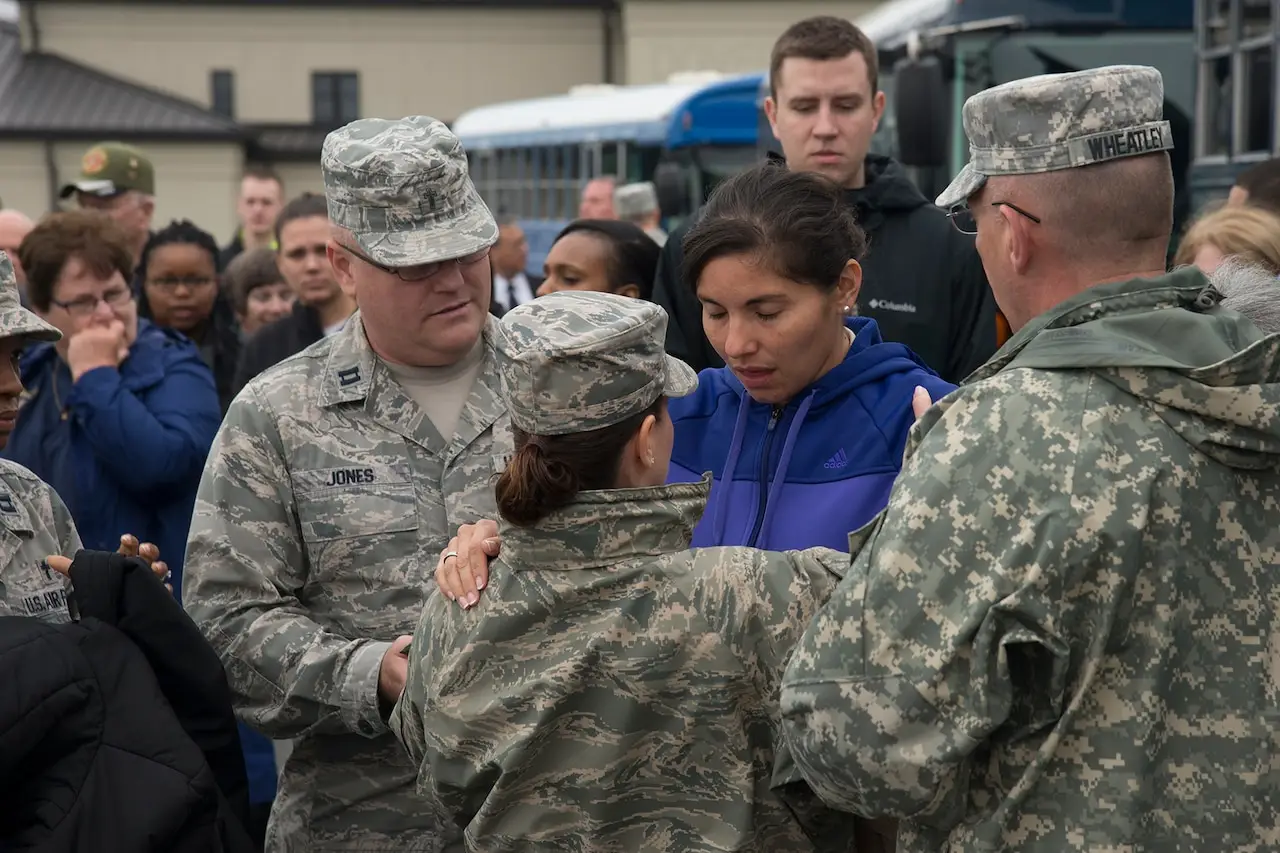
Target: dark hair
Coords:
[(822, 38), (248, 271), (85, 234), (178, 232), (547, 472), (1262, 182), (633, 254), (304, 206), (262, 172), (796, 223)]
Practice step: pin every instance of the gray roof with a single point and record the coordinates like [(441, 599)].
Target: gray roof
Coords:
[(45, 95)]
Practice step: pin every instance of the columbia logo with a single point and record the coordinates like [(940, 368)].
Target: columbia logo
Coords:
[(837, 461)]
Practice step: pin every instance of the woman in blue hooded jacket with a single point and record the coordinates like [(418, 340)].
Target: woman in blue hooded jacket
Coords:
[(804, 427)]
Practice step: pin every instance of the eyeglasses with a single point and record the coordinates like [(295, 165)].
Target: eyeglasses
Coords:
[(195, 282), (86, 305), (420, 272), (962, 217)]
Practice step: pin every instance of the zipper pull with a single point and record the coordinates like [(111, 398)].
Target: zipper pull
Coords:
[(774, 417)]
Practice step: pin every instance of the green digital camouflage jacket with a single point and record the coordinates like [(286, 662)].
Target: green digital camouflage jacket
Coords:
[(34, 523), (614, 691), (1064, 631), (327, 496)]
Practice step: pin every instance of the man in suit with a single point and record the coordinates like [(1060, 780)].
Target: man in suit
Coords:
[(512, 285)]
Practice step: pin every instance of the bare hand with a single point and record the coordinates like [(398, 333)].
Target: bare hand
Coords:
[(96, 346), (920, 401), (461, 577), (148, 553), (394, 670)]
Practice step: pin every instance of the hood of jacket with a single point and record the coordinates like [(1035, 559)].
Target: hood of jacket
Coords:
[(887, 188), (1210, 373)]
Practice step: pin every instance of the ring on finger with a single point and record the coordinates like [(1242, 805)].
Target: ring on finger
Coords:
[(447, 555)]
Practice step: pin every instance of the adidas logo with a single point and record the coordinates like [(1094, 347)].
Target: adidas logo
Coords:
[(838, 461)]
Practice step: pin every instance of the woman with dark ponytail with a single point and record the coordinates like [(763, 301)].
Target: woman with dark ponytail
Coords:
[(613, 690)]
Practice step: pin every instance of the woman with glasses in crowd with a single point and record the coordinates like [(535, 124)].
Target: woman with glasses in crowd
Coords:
[(120, 412)]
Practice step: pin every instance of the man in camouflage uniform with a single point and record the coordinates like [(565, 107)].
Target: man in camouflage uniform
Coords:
[(1062, 633), (335, 471), (34, 522), (614, 691)]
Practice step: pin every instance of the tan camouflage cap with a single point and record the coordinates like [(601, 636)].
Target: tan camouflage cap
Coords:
[(402, 189), (110, 168), (16, 321), (635, 200), (1060, 121), (577, 361)]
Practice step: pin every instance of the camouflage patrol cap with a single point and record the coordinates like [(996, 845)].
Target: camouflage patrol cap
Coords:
[(1060, 121), (402, 189), (16, 321), (635, 200), (110, 168), (577, 361)]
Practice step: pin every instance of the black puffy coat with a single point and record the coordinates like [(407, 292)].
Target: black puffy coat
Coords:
[(116, 731)]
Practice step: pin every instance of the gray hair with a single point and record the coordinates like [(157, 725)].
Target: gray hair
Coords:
[(635, 202), (1250, 290)]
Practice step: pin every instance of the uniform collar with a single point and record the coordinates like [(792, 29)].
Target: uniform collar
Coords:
[(603, 528), (354, 374)]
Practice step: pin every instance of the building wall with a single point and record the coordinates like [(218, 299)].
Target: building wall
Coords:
[(437, 61), (664, 36), (196, 181), (24, 183), (300, 178)]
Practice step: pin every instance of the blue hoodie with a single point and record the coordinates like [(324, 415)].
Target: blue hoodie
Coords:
[(812, 471)]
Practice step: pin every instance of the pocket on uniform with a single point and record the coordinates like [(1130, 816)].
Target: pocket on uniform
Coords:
[(357, 522)]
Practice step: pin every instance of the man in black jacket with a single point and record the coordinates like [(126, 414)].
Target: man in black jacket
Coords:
[(321, 309), (923, 280)]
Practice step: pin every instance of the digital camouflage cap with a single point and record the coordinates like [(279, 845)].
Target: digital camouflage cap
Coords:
[(579, 361), (111, 168), (403, 191), (1061, 121), (16, 321)]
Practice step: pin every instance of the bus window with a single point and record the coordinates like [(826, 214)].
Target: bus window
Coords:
[(609, 161), (1257, 100), (1215, 130), (641, 161)]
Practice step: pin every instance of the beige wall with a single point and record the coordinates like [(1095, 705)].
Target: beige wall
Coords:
[(440, 62), (733, 36), (195, 181), (300, 178), (24, 184)]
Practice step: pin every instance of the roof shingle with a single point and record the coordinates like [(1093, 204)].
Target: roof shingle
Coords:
[(46, 95)]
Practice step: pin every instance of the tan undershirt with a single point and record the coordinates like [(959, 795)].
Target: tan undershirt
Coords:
[(441, 392)]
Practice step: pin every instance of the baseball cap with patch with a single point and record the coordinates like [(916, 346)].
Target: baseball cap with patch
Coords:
[(403, 191), (15, 320), (111, 168), (1061, 121)]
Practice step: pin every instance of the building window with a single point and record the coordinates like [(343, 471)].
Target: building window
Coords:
[(222, 88), (335, 97)]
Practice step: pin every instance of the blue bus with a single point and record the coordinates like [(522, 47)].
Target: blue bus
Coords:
[(531, 158)]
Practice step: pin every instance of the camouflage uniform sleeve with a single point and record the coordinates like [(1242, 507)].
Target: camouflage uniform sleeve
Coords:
[(64, 528), (761, 601), (951, 604), (245, 568), (449, 774)]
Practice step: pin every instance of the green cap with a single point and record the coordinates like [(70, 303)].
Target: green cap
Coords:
[(110, 168)]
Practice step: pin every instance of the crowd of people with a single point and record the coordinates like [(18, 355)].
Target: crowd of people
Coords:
[(672, 547)]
